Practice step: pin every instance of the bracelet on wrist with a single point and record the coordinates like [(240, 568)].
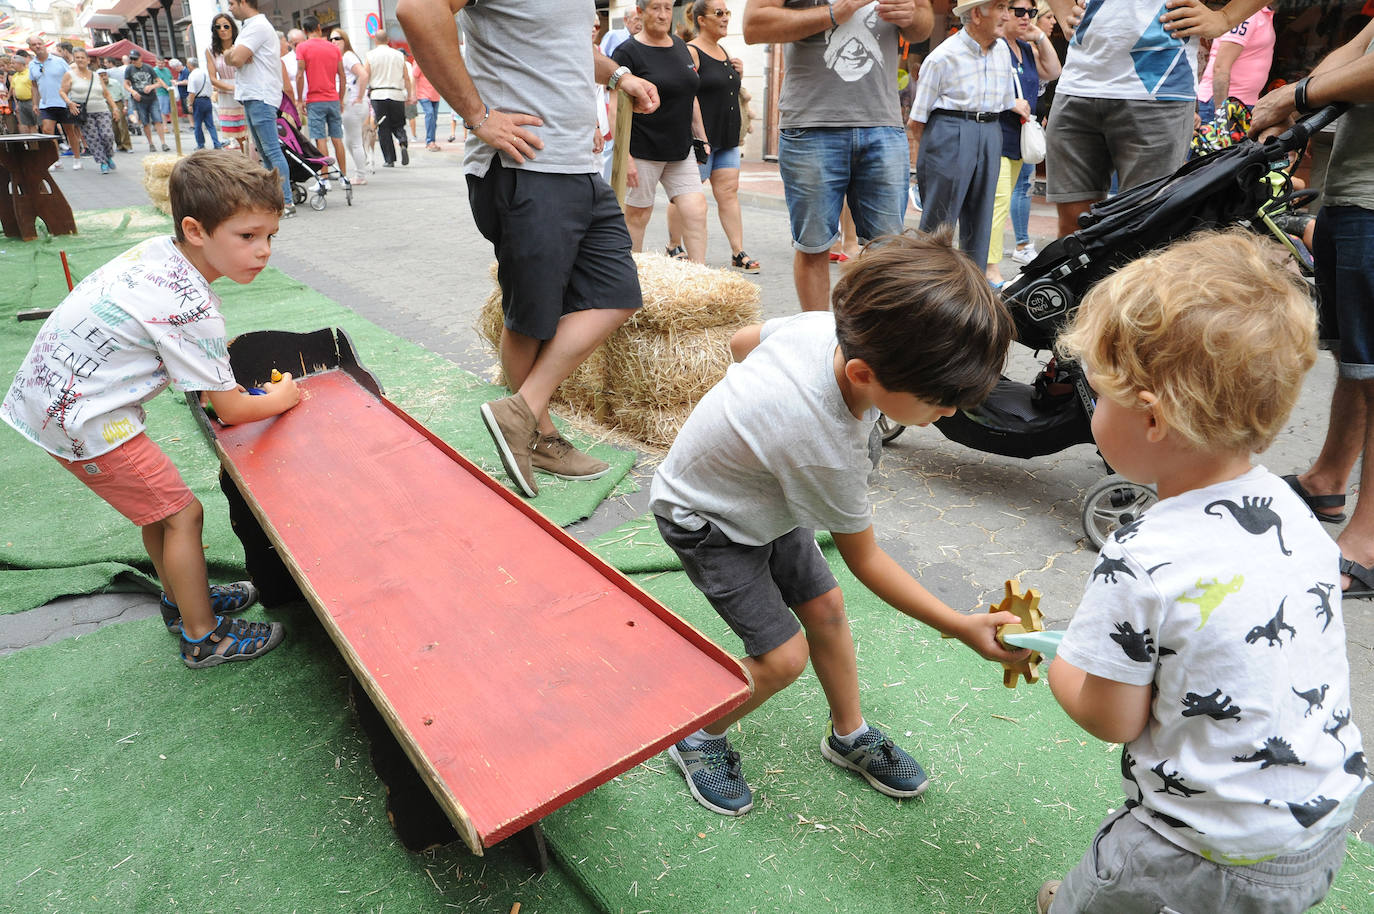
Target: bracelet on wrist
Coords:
[(831, 8), (1300, 95), (486, 116), (619, 74)]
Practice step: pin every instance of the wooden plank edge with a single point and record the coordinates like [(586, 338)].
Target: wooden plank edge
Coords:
[(462, 822)]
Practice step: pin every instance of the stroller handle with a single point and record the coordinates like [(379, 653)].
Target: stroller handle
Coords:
[(1296, 137)]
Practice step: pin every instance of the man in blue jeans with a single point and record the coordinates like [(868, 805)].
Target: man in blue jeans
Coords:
[(841, 133), (258, 87)]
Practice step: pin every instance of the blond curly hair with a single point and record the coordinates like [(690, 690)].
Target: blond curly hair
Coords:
[(1215, 326)]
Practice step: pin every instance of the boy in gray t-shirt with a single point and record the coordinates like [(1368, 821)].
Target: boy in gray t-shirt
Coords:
[(780, 447)]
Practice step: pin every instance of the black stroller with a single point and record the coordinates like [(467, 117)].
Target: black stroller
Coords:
[(1247, 183)]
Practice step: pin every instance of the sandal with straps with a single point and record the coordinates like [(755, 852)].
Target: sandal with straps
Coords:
[(232, 639), (1361, 580), (225, 600), (744, 263), (1318, 501), (677, 253)]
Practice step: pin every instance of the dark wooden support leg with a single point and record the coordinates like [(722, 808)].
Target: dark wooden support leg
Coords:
[(265, 567)]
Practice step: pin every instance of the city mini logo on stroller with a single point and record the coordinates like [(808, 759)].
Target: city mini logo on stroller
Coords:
[(311, 171), (1248, 183)]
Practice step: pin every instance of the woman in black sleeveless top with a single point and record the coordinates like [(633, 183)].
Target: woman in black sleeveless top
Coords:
[(718, 97)]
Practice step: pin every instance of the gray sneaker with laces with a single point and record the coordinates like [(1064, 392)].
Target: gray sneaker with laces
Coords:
[(882, 763), (714, 776), (555, 454)]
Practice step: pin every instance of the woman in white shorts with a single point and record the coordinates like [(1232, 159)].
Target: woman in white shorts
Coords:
[(661, 144)]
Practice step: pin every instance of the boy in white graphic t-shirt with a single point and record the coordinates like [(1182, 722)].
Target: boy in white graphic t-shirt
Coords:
[(145, 321), (1210, 640)]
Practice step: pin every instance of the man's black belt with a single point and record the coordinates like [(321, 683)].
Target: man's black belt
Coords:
[(981, 117)]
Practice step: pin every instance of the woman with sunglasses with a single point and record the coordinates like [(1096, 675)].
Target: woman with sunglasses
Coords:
[(1034, 60), (718, 97), (355, 107), (233, 123)]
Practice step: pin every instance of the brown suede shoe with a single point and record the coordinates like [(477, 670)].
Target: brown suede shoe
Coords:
[(514, 429), (1045, 898), (554, 454)]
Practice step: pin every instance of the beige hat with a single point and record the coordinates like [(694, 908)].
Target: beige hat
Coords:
[(967, 5)]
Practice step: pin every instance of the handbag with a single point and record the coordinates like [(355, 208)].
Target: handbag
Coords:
[(1032, 134), (80, 116)]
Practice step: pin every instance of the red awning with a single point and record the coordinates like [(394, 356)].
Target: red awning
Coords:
[(119, 49)]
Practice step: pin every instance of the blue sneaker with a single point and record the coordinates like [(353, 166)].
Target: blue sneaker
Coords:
[(714, 776), (225, 600), (232, 639), (881, 762)]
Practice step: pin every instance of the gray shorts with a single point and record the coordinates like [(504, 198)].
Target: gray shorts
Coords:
[(753, 587), (1131, 869), (1089, 138)]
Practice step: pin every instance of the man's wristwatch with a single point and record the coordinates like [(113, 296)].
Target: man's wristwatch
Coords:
[(616, 77), (1300, 96)]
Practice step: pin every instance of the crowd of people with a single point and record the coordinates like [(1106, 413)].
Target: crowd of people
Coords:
[(344, 102)]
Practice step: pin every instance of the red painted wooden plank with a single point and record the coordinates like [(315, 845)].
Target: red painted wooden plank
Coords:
[(518, 670)]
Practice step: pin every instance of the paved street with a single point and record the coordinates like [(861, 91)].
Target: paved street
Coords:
[(407, 257)]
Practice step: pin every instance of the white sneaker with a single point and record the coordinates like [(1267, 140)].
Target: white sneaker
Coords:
[(55, 166), (76, 166), (1025, 254)]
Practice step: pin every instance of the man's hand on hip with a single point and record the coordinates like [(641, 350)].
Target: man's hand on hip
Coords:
[(505, 133)]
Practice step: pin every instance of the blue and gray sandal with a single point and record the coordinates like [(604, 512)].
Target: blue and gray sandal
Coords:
[(232, 639)]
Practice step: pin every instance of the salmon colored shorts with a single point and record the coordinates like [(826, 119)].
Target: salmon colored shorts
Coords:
[(137, 479)]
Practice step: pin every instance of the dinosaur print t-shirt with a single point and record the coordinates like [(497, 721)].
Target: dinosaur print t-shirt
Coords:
[(1228, 600)]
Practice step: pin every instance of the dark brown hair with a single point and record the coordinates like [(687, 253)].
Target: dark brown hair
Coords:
[(217, 44), (213, 185), (924, 318)]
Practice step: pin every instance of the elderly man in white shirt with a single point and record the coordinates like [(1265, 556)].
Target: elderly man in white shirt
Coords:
[(965, 85)]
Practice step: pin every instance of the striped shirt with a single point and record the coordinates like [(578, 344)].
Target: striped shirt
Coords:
[(959, 76)]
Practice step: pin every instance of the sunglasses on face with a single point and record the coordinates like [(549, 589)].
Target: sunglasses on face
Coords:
[(225, 26), (721, 14), (1022, 12), (336, 38)]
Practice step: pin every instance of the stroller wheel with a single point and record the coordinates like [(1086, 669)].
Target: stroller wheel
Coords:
[(888, 429), (298, 194), (1113, 503), (318, 202)]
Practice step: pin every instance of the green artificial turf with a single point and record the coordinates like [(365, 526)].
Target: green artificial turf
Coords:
[(56, 538), (1017, 789), (133, 784)]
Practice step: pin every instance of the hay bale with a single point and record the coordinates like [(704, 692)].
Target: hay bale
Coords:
[(679, 295), (662, 369), (656, 426), (160, 165), (490, 320), (157, 169), (645, 379)]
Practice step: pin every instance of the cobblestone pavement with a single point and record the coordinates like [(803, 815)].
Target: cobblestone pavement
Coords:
[(407, 257)]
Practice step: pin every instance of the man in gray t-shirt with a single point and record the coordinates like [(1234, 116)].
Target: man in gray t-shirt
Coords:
[(525, 90), (841, 126), (1343, 248)]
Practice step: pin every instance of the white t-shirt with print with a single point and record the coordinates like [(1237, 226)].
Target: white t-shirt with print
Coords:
[(1228, 600), (1120, 50), (772, 446), (144, 321)]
